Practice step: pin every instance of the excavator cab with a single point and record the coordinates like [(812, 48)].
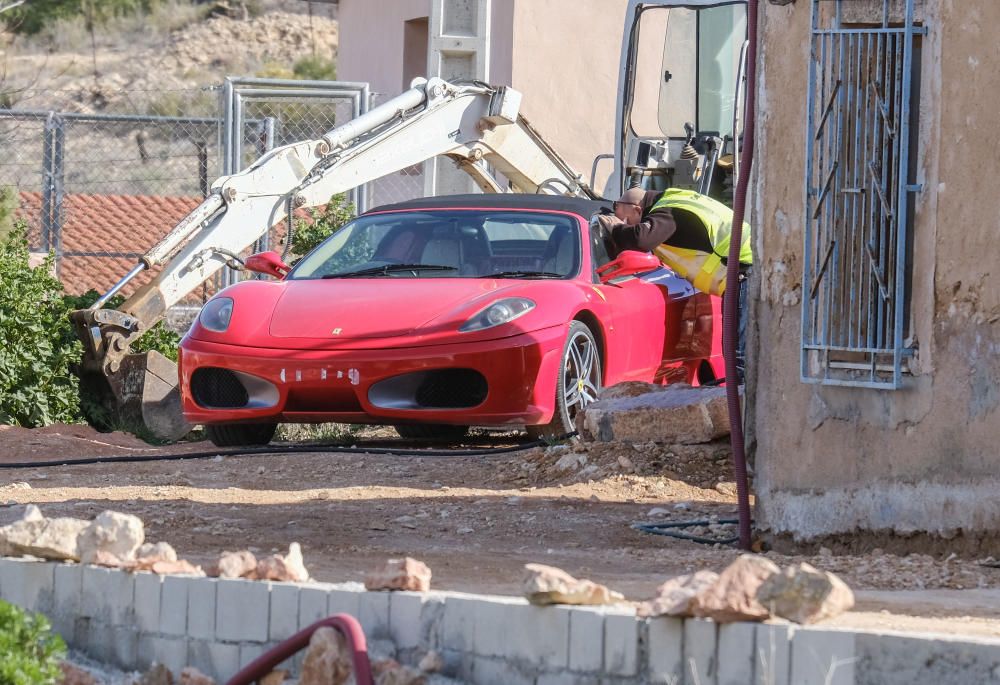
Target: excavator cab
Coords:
[(680, 97)]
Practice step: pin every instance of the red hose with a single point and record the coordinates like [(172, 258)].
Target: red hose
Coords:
[(731, 303), (348, 627)]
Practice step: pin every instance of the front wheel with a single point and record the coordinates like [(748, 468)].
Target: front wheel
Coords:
[(578, 383), (241, 434)]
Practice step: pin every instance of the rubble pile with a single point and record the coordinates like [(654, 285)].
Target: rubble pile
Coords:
[(289, 567)]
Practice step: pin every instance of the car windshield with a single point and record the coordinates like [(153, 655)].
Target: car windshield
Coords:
[(448, 244)]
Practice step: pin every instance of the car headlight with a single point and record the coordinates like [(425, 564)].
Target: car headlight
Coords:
[(216, 314), (500, 312)]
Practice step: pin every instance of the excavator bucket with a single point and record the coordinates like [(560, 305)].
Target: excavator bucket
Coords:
[(142, 395)]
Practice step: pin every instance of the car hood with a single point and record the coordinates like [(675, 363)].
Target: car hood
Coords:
[(364, 308)]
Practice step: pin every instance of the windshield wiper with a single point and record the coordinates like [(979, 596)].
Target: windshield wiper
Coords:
[(390, 268), (523, 274)]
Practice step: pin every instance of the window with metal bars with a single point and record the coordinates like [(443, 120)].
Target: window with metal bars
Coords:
[(860, 162)]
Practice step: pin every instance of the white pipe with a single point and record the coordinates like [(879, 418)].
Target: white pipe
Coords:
[(374, 118)]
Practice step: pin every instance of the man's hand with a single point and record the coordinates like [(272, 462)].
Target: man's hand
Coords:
[(609, 221)]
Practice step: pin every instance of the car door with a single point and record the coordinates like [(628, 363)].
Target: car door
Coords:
[(635, 314)]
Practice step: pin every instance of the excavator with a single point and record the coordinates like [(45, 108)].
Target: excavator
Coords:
[(480, 128)]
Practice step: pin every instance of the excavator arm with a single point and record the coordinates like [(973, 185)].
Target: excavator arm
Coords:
[(476, 125)]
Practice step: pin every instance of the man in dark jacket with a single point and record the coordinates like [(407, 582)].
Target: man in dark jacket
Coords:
[(690, 233)]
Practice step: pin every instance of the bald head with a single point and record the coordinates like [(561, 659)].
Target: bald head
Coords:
[(629, 207)]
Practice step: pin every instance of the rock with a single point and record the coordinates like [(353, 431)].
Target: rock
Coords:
[(804, 594), (571, 461), (734, 596), (327, 660), (114, 533), (192, 676), (288, 568), (391, 672), (182, 567), (400, 574), (549, 585), (56, 539), (657, 511), (673, 598), (161, 551), (727, 488), (431, 662), (276, 677), (158, 674), (104, 558), (74, 675), (625, 463), (240, 564), (676, 414), (628, 389)]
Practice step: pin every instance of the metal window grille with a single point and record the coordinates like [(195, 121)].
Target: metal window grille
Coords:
[(858, 193)]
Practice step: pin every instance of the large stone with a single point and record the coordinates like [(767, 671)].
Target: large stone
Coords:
[(804, 594), (158, 674), (675, 414), (289, 567), (161, 551), (112, 533), (734, 596), (327, 660), (181, 567), (192, 676), (673, 598), (55, 539), (242, 564), (74, 675), (391, 672), (400, 574), (276, 677), (550, 585)]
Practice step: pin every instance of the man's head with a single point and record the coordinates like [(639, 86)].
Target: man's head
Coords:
[(629, 207)]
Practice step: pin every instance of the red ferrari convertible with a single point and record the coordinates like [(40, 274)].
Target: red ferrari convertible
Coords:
[(443, 313)]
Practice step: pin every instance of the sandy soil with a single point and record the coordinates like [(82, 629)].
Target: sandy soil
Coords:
[(474, 520)]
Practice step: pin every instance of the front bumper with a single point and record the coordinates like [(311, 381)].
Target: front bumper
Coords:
[(336, 385)]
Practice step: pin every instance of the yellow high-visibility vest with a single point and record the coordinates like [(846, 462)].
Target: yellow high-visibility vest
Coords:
[(705, 270)]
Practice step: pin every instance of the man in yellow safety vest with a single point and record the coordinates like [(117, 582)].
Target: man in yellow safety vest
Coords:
[(690, 233)]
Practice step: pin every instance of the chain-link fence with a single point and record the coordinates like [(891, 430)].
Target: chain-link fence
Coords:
[(99, 189)]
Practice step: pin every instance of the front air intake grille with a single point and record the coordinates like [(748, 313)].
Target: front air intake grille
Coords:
[(451, 389), (216, 388)]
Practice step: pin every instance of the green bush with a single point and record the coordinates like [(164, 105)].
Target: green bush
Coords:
[(34, 15), (8, 205), (30, 653), (36, 343), (321, 225), (315, 68)]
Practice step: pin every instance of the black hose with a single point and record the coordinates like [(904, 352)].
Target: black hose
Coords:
[(731, 303), (277, 449), (673, 530)]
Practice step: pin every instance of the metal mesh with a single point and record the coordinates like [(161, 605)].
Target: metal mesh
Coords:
[(858, 194)]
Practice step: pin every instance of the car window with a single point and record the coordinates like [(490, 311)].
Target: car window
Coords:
[(449, 244), (602, 250)]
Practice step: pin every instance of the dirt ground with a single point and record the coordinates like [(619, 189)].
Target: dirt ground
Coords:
[(476, 520)]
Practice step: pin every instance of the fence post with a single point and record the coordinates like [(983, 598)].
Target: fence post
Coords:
[(53, 146)]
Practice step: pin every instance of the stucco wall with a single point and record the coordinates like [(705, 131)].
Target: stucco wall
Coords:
[(924, 459)]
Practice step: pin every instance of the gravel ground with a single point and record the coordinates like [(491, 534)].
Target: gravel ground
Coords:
[(474, 520)]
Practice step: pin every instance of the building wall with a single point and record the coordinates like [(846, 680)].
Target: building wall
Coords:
[(926, 458), (562, 54)]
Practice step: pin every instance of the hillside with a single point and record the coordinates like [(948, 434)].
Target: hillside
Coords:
[(178, 49)]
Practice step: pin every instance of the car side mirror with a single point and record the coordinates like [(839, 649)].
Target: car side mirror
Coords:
[(629, 263), (267, 263)]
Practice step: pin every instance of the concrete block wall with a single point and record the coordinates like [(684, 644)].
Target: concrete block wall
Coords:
[(218, 626)]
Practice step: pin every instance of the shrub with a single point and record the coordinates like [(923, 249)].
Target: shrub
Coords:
[(322, 224), (315, 68), (30, 651), (36, 343), (8, 205)]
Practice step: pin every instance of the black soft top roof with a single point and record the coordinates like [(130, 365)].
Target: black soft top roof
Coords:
[(576, 205)]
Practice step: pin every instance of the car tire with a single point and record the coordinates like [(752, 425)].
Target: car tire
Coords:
[(431, 431), (581, 361), (241, 434)]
